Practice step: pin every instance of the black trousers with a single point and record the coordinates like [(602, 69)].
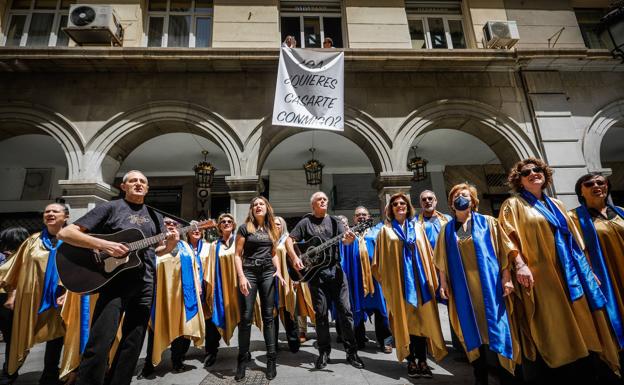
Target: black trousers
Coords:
[(290, 327), (134, 303), (418, 349), (330, 285), (179, 348), (213, 337), (538, 372), (6, 326), (488, 363), (263, 283), (382, 332)]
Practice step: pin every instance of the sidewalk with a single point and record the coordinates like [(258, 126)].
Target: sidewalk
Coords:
[(292, 369)]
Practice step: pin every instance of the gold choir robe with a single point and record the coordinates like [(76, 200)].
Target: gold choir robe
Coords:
[(365, 261), (287, 297), (405, 319), (229, 283), (70, 359), (471, 270), (560, 330), (304, 301), (170, 317), (25, 273), (611, 237)]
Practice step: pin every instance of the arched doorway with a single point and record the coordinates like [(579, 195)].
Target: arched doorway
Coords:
[(348, 175), (454, 157), (612, 156), (32, 165)]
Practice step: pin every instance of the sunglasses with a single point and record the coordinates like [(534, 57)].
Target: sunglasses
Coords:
[(171, 223), (425, 199), (398, 203), (361, 215), (527, 172), (226, 222), (592, 183)]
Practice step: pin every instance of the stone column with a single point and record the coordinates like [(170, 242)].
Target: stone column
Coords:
[(83, 195), (557, 132), (242, 189), (388, 183)]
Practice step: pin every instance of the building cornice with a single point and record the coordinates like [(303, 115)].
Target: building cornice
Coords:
[(114, 59)]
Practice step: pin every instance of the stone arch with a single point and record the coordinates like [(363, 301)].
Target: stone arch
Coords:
[(34, 119), (360, 128), (116, 139), (602, 121), (481, 120)]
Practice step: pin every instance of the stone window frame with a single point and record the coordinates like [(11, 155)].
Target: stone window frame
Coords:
[(61, 15), (321, 15), (192, 13), (424, 19), (586, 25)]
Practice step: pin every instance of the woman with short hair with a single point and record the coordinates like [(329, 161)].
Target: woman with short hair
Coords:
[(403, 266), (475, 278), (602, 227)]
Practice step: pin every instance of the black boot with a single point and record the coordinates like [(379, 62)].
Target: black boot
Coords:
[(240, 367), (271, 370)]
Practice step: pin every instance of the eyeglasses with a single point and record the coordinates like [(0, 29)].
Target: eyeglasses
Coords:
[(592, 183), (527, 172), (425, 199), (398, 203), (226, 222)]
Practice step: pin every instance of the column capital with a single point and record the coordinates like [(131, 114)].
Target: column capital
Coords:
[(243, 188), (79, 187)]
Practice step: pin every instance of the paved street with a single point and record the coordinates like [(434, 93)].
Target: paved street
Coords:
[(292, 368)]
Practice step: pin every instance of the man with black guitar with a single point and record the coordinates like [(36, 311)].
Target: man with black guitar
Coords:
[(130, 292), (330, 283)]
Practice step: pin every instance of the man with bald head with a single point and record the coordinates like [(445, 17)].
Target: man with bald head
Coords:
[(130, 292), (430, 218)]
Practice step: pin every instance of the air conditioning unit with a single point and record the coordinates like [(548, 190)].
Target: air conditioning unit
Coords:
[(90, 24), (500, 34)]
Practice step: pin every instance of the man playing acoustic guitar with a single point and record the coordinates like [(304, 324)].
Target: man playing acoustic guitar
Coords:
[(329, 284), (130, 292)]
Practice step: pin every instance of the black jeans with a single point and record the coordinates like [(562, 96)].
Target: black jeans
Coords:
[(6, 326), (263, 283), (213, 337), (488, 363), (330, 284), (134, 303), (418, 349), (290, 327), (382, 332)]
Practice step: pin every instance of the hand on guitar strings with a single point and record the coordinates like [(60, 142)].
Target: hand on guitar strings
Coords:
[(297, 264), (114, 249)]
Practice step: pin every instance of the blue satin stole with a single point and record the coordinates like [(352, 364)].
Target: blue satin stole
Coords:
[(579, 277), (600, 268), (218, 306), (51, 279), (499, 330), (414, 272), (189, 295)]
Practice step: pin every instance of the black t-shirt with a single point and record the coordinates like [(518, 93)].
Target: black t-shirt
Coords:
[(117, 215), (258, 245), (310, 226)]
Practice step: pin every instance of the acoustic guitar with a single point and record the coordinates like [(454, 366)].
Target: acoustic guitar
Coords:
[(85, 271), (316, 254)]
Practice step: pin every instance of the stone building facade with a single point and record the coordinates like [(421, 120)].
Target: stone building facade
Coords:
[(202, 76)]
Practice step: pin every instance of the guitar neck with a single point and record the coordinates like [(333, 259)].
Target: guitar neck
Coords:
[(147, 242), (333, 241)]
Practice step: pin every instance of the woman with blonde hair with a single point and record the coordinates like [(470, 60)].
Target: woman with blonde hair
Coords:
[(475, 278), (403, 265), (257, 266)]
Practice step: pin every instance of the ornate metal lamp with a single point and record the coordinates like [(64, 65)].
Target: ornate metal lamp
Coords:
[(204, 172), (313, 170), (611, 29), (418, 166)]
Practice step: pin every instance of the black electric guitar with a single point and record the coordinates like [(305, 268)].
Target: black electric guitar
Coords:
[(85, 271), (316, 254)]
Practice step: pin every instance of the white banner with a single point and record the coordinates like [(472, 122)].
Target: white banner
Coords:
[(310, 89)]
